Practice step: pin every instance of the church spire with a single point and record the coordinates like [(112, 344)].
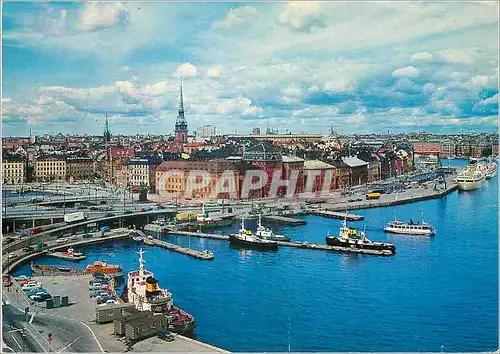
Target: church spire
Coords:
[(181, 128), (107, 133)]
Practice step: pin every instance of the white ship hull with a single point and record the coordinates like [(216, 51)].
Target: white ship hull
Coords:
[(409, 231), (470, 185)]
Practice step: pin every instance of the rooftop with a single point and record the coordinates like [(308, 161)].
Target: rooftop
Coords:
[(316, 165), (354, 161)]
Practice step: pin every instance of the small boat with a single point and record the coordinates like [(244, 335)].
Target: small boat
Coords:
[(420, 228), (137, 238), (149, 240), (268, 234), (245, 238), (351, 238), (104, 268)]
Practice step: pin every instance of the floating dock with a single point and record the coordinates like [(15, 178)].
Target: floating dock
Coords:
[(284, 219), (203, 255), (338, 215), (66, 256)]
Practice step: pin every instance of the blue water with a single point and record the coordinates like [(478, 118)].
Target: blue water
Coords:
[(438, 294)]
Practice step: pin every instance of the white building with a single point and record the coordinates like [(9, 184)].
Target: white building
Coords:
[(205, 132)]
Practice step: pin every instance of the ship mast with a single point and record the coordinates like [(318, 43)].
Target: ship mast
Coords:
[(260, 220), (141, 261)]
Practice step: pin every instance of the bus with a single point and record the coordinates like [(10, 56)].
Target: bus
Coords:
[(372, 196)]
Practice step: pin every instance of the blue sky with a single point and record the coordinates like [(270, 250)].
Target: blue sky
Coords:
[(361, 67)]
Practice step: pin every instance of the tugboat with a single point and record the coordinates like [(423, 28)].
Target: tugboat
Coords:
[(205, 221), (143, 290), (420, 228), (268, 234), (246, 239), (351, 238)]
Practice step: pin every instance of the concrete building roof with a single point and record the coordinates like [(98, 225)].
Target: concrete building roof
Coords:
[(354, 161), (316, 165), (291, 159)]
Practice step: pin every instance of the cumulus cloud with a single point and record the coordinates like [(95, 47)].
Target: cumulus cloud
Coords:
[(236, 17), (423, 56), (100, 15), (291, 92), (186, 70), (302, 16), (214, 71), (409, 71), (253, 111)]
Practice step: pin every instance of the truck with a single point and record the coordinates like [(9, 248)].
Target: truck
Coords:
[(72, 217)]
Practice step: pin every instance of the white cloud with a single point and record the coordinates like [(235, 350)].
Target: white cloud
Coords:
[(302, 16), (313, 88), (126, 68), (236, 17), (99, 15), (456, 56), (423, 56), (338, 85), (186, 70), (253, 111), (291, 92), (409, 71), (214, 71)]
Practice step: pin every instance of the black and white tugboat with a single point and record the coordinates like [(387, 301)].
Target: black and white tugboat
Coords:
[(351, 238), (268, 234), (143, 290), (246, 239)]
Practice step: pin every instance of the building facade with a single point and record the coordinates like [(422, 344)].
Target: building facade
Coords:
[(13, 170), (205, 132), (267, 158), (321, 174), (79, 168), (358, 170), (50, 168), (172, 179), (142, 171)]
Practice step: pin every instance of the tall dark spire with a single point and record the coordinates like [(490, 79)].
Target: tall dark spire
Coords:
[(181, 128), (107, 133)]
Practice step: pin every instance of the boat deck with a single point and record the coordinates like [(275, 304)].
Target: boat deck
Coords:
[(337, 215)]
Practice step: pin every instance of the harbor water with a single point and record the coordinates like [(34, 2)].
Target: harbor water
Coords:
[(435, 294)]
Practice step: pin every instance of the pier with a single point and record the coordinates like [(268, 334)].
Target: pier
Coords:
[(203, 255), (284, 219), (337, 215), (309, 246)]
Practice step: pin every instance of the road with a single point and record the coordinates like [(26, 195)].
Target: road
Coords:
[(67, 334)]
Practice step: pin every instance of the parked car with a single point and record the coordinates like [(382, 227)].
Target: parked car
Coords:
[(128, 211), (36, 291), (41, 298), (22, 277), (61, 240), (109, 302), (166, 336), (94, 293), (31, 286), (28, 249), (94, 208)]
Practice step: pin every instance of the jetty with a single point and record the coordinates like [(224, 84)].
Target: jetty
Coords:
[(284, 219), (303, 245), (203, 255), (337, 215)]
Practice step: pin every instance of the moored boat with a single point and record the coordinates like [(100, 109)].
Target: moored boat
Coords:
[(470, 178), (39, 269), (104, 268), (205, 221), (351, 238), (267, 234), (144, 291), (246, 239)]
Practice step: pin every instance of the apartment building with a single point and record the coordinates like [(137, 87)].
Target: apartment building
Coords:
[(50, 168), (13, 170)]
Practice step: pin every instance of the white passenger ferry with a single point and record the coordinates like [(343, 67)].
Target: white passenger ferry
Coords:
[(470, 178), (420, 228)]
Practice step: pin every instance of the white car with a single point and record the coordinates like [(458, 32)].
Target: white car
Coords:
[(109, 302), (61, 240), (21, 277), (31, 286)]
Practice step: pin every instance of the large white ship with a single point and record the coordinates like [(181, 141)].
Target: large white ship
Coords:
[(470, 178), (143, 290)]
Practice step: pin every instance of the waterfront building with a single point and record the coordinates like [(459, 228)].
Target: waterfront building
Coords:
[(321, 172), (373, 166), (264, 157), (205, 132), (358, 170), (50, 168), (291, 164), (181, 127), (426, 148), (256, 131), (79, 168), (341, 174), (448, 148), (141, 170), (13, 170), (175, 184)]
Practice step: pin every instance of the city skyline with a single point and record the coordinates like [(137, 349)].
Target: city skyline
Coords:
[(296, 66)]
